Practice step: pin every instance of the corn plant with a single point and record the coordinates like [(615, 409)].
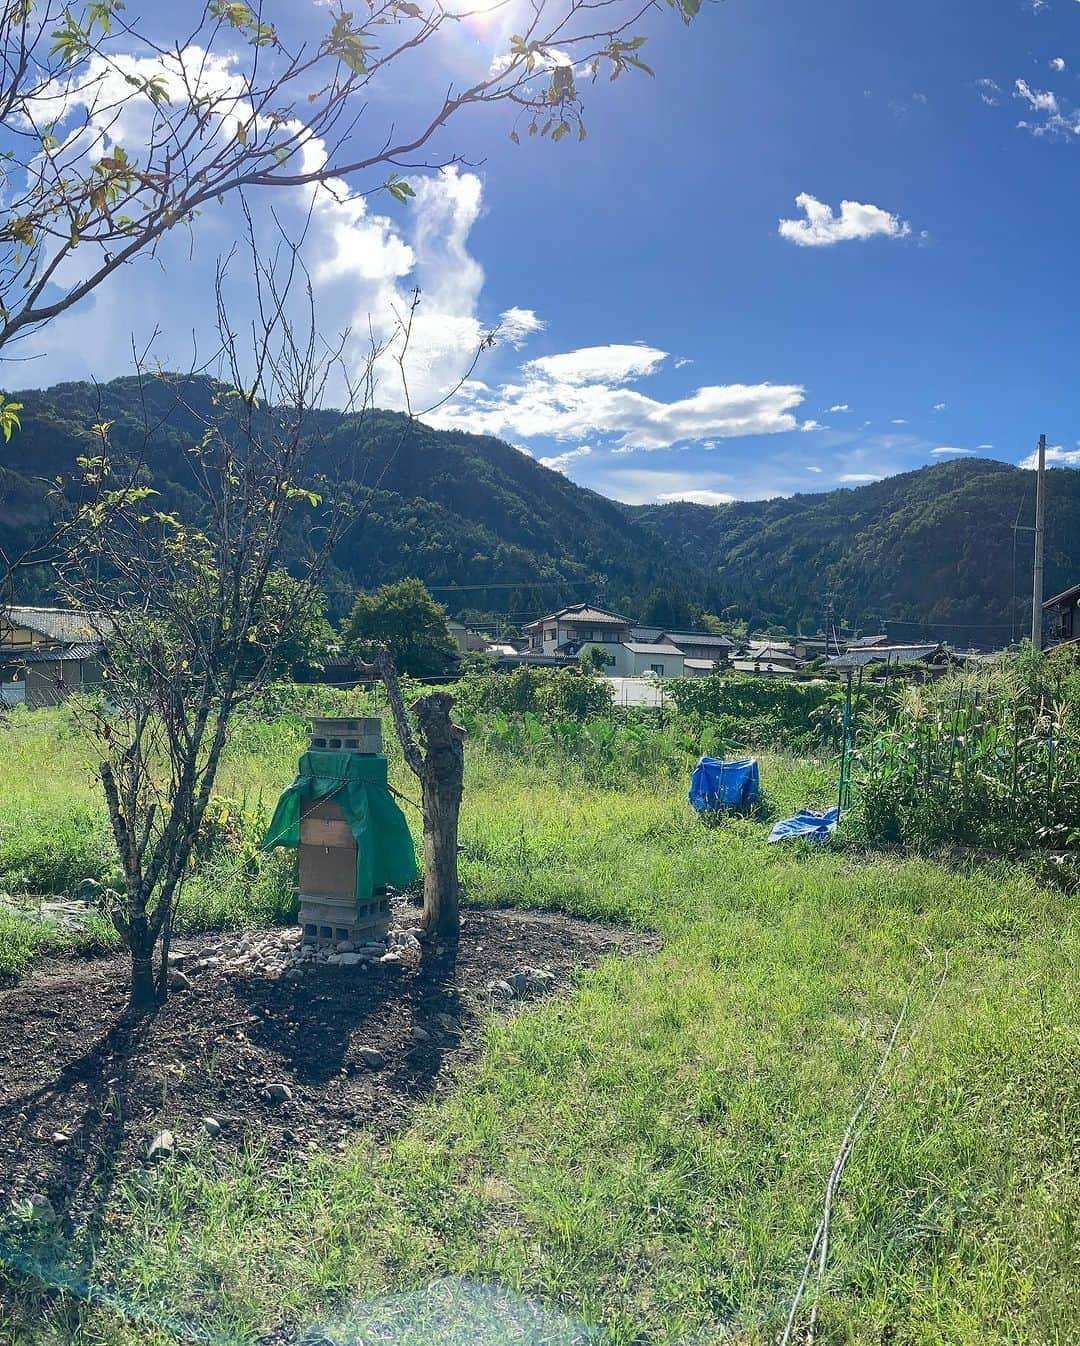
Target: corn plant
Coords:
[(989, 762)]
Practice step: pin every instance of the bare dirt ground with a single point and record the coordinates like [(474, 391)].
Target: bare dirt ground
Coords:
[(301, 1060)]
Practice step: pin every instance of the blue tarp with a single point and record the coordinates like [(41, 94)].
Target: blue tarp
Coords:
[(813, 826), (719, 785)]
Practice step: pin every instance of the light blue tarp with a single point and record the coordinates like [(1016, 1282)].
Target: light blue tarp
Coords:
[(813, 826), (721, 785)]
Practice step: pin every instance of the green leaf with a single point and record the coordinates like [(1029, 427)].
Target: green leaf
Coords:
[(9, 417), (69, 42)]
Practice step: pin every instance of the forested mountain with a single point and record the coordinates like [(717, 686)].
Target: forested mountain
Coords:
[(453, 509), (929, 552)]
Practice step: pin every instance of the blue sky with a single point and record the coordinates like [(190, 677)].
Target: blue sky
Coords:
[(690, 310)]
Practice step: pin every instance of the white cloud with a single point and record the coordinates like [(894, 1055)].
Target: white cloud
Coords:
[(986, 446), (582, 393), (947, 448), (859, 476), (989, 91), (1054, 455), (811, 468), (516, 325), (1056, 120), (1058, 64), (1042, 100), (683, 360), (363, 264), (597, 364), (940, 406), (702, 497), (822, 228), (810, 425), (563, 460), (644, 486), (898, 420), (840, 406)]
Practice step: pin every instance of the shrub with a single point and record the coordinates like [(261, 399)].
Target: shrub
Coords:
[(986, 758), (551, 692)]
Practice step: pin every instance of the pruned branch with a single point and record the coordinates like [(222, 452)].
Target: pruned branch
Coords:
[(382, 665)]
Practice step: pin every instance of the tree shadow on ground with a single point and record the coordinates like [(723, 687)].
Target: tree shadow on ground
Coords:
[(320, 1023)]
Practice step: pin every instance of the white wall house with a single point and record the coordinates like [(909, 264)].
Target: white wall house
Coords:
[(574, 627), (634, 659)]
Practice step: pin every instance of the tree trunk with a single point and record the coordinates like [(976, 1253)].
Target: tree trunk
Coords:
[(143, 988), (441, 779), (441, 806)]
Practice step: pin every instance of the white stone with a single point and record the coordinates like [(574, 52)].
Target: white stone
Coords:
[(211, 1126), (277, 1093), (162, 1146)]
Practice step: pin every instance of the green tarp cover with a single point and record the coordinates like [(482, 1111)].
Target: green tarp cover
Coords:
[(357, 784)]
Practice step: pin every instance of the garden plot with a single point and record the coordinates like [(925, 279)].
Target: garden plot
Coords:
[(254, 1047)]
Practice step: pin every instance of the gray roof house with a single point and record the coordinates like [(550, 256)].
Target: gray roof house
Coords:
[(47, 652)]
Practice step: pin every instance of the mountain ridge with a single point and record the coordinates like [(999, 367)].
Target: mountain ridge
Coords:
[(930, 552)]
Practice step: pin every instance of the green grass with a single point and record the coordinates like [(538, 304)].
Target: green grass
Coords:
[(648, 1155)]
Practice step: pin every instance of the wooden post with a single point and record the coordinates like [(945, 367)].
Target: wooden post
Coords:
[(442, 781), (1040, 539), (438, 762)]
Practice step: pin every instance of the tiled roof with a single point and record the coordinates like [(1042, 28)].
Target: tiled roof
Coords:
[(582, 612), (637, 647), (698, 638), (50, 654), (881, 654), (58, 623)]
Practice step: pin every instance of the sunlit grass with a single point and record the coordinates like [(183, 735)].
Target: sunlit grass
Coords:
[(648, 1155)]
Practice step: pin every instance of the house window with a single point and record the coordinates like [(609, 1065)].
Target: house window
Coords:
[(658, 669), (552, 633)]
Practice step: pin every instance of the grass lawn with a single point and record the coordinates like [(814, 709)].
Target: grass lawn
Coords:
[(648, 1156)]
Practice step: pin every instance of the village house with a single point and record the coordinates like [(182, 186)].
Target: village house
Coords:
[(637, 659), (768, 659), (700, 646), (1064, 612), (45, 653), (567, 631), (932, 659)]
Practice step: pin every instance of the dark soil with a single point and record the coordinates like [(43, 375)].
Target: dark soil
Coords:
[(84, 1088)]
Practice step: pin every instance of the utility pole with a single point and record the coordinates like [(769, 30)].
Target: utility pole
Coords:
[(1040, 539)]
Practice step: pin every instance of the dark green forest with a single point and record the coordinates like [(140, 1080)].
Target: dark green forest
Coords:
[(925, 554), (928, 553)]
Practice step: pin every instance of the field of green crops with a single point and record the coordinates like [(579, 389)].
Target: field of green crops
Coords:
[(643, 1161)]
